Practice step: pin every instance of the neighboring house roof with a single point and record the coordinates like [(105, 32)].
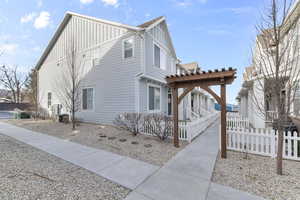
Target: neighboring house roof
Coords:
[(248, 73), (68, 15), (193, 66), (293, 16)]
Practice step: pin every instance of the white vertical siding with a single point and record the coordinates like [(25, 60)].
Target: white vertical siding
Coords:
[(84, 32)]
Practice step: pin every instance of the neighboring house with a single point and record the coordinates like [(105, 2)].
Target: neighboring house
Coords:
[(247, 104), (198, 102), (259, 104), (124, 67)]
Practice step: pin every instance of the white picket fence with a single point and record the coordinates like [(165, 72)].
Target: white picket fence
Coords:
[(263, 142), (188, 130), (234, 120)]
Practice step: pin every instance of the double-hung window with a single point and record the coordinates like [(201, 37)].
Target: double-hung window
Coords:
[(160, 58), (128, 50), (153, 98), (88, 99), (49, 102)]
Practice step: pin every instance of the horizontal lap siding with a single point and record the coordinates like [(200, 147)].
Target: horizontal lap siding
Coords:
[(114, 83)]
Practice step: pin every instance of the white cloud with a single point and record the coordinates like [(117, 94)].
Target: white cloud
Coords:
[(114, 3), (36, 48), (4, 37), (8, 48), (184, 3), (28, 18), (39, 3), (86, 1), (147, 15), (187, 3), (42, 21)]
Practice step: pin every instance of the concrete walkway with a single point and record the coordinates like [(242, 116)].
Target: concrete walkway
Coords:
[(188, 175), (120, 169)]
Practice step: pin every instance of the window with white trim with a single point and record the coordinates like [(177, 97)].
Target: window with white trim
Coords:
[(128, 48), (160, 57), (88, 99), (156, 56), (154, 98)]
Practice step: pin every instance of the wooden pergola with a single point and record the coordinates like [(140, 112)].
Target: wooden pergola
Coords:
[(204, 80)]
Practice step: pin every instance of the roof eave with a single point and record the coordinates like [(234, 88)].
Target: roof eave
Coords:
[(106, 21)]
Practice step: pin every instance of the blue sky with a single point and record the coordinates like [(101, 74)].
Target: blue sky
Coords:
[(215, 33)]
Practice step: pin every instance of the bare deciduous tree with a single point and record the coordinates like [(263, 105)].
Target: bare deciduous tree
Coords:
[(32, 91), (275, 60), (69, 81), (13, 81), (160, 125), (129, 121)]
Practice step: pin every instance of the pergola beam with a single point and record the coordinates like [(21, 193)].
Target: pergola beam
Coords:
[(199, 83), (212, 93), (198, 76)]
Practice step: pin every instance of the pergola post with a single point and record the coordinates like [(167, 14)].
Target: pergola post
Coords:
[(223, 121), (175, 116)]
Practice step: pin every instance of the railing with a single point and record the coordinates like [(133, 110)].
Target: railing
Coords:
[(263, 142), (195, 115), (234, 120)]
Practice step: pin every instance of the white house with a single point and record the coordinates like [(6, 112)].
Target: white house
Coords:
[(124, 67), (256, 103)]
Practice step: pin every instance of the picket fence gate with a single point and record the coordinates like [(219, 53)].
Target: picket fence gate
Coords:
[(263, 142)]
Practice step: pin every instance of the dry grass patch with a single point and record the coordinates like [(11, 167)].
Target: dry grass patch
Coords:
[(257, 175), (141, 147)]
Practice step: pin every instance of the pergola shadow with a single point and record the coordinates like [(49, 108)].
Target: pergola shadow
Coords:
[(203, 80)]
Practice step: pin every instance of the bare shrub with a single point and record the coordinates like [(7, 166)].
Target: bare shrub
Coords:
[(129, 121), (159, 125)]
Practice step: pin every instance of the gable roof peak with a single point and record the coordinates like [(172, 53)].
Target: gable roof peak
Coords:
[(151, 22)]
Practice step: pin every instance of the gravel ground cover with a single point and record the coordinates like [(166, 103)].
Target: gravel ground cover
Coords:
[(109, 138), (257, 175), (29, 174)]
